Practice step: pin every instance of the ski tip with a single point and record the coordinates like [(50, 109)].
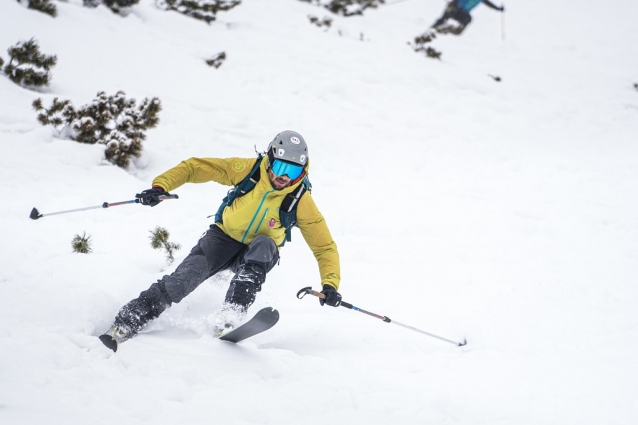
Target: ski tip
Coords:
[(109, 342), (265, 319), (35, 214), (268, 310)]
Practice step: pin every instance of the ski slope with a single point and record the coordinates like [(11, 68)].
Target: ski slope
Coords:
[(501, 212)]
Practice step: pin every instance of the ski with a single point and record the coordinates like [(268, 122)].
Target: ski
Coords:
[(265, 319)]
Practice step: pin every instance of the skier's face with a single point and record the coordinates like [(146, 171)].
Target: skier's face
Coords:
[(278, 182)]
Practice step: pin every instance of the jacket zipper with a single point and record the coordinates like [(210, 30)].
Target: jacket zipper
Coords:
[(262, 220), (263, 199)]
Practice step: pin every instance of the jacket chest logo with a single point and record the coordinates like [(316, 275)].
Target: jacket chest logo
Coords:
[(272, 223)]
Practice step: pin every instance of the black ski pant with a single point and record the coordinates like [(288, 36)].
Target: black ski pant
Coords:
[(214, 252), (456, 12)]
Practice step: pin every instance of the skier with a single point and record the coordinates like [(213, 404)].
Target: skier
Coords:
[(459, 10), (246, 237)]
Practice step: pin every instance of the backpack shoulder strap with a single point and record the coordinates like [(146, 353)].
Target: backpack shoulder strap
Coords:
[(288, 208), (243, 187), (250, 181)]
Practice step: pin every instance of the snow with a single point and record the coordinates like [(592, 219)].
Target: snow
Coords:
[(504, 213)]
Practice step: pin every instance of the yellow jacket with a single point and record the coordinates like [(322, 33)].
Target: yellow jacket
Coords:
[(257, 212)]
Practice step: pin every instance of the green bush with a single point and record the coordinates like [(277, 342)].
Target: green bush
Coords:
[(113, 121), (27, 66), (82, 244), (205, 10), (420, 42), (347, 7), (324, 22), (216, 60), (159, 240), (44, 6), (117, 6)]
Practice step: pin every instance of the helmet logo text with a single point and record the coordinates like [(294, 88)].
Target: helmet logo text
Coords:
[(295, 140)]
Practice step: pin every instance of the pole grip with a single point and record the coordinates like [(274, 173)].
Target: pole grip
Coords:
[(308, 290)]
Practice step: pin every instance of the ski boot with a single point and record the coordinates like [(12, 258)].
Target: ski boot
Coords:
[(228, 319), (114, 336)]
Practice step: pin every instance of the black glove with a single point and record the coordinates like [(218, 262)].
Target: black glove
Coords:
[(151, 196), (502, 8), (333, 298)]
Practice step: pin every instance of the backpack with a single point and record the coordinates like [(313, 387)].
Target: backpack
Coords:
[(288, 208)]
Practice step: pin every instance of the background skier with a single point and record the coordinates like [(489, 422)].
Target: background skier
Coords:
[(246, 237), (459, 10)]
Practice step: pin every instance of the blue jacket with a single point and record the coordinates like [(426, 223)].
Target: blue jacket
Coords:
[(468, 5)]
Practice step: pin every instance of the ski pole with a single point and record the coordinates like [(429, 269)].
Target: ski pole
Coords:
[(35, 214), (308, 290)]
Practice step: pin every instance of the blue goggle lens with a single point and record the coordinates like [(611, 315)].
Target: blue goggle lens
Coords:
[(282, 168)]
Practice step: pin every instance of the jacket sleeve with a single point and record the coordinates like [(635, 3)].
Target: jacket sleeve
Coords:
[(226, 171), (315, 231)]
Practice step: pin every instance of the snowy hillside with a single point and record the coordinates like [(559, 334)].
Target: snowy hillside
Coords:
[(501, 212)]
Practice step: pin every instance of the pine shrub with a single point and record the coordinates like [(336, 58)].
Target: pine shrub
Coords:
[(432, 53), (117, 6), (113, 121), (424, 38), (420, 42), (216, 60), (44, 6), (82, 244), (346, 7), (204, 10), (159, 240), (27, 66), (324, 22)]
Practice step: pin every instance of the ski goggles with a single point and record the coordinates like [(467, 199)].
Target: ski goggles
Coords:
[(282, 168)]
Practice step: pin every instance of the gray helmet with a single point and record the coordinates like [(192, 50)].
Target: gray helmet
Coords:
[(289, 146)]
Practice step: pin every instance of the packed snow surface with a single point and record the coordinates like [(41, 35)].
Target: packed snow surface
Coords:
[(501, 212)]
